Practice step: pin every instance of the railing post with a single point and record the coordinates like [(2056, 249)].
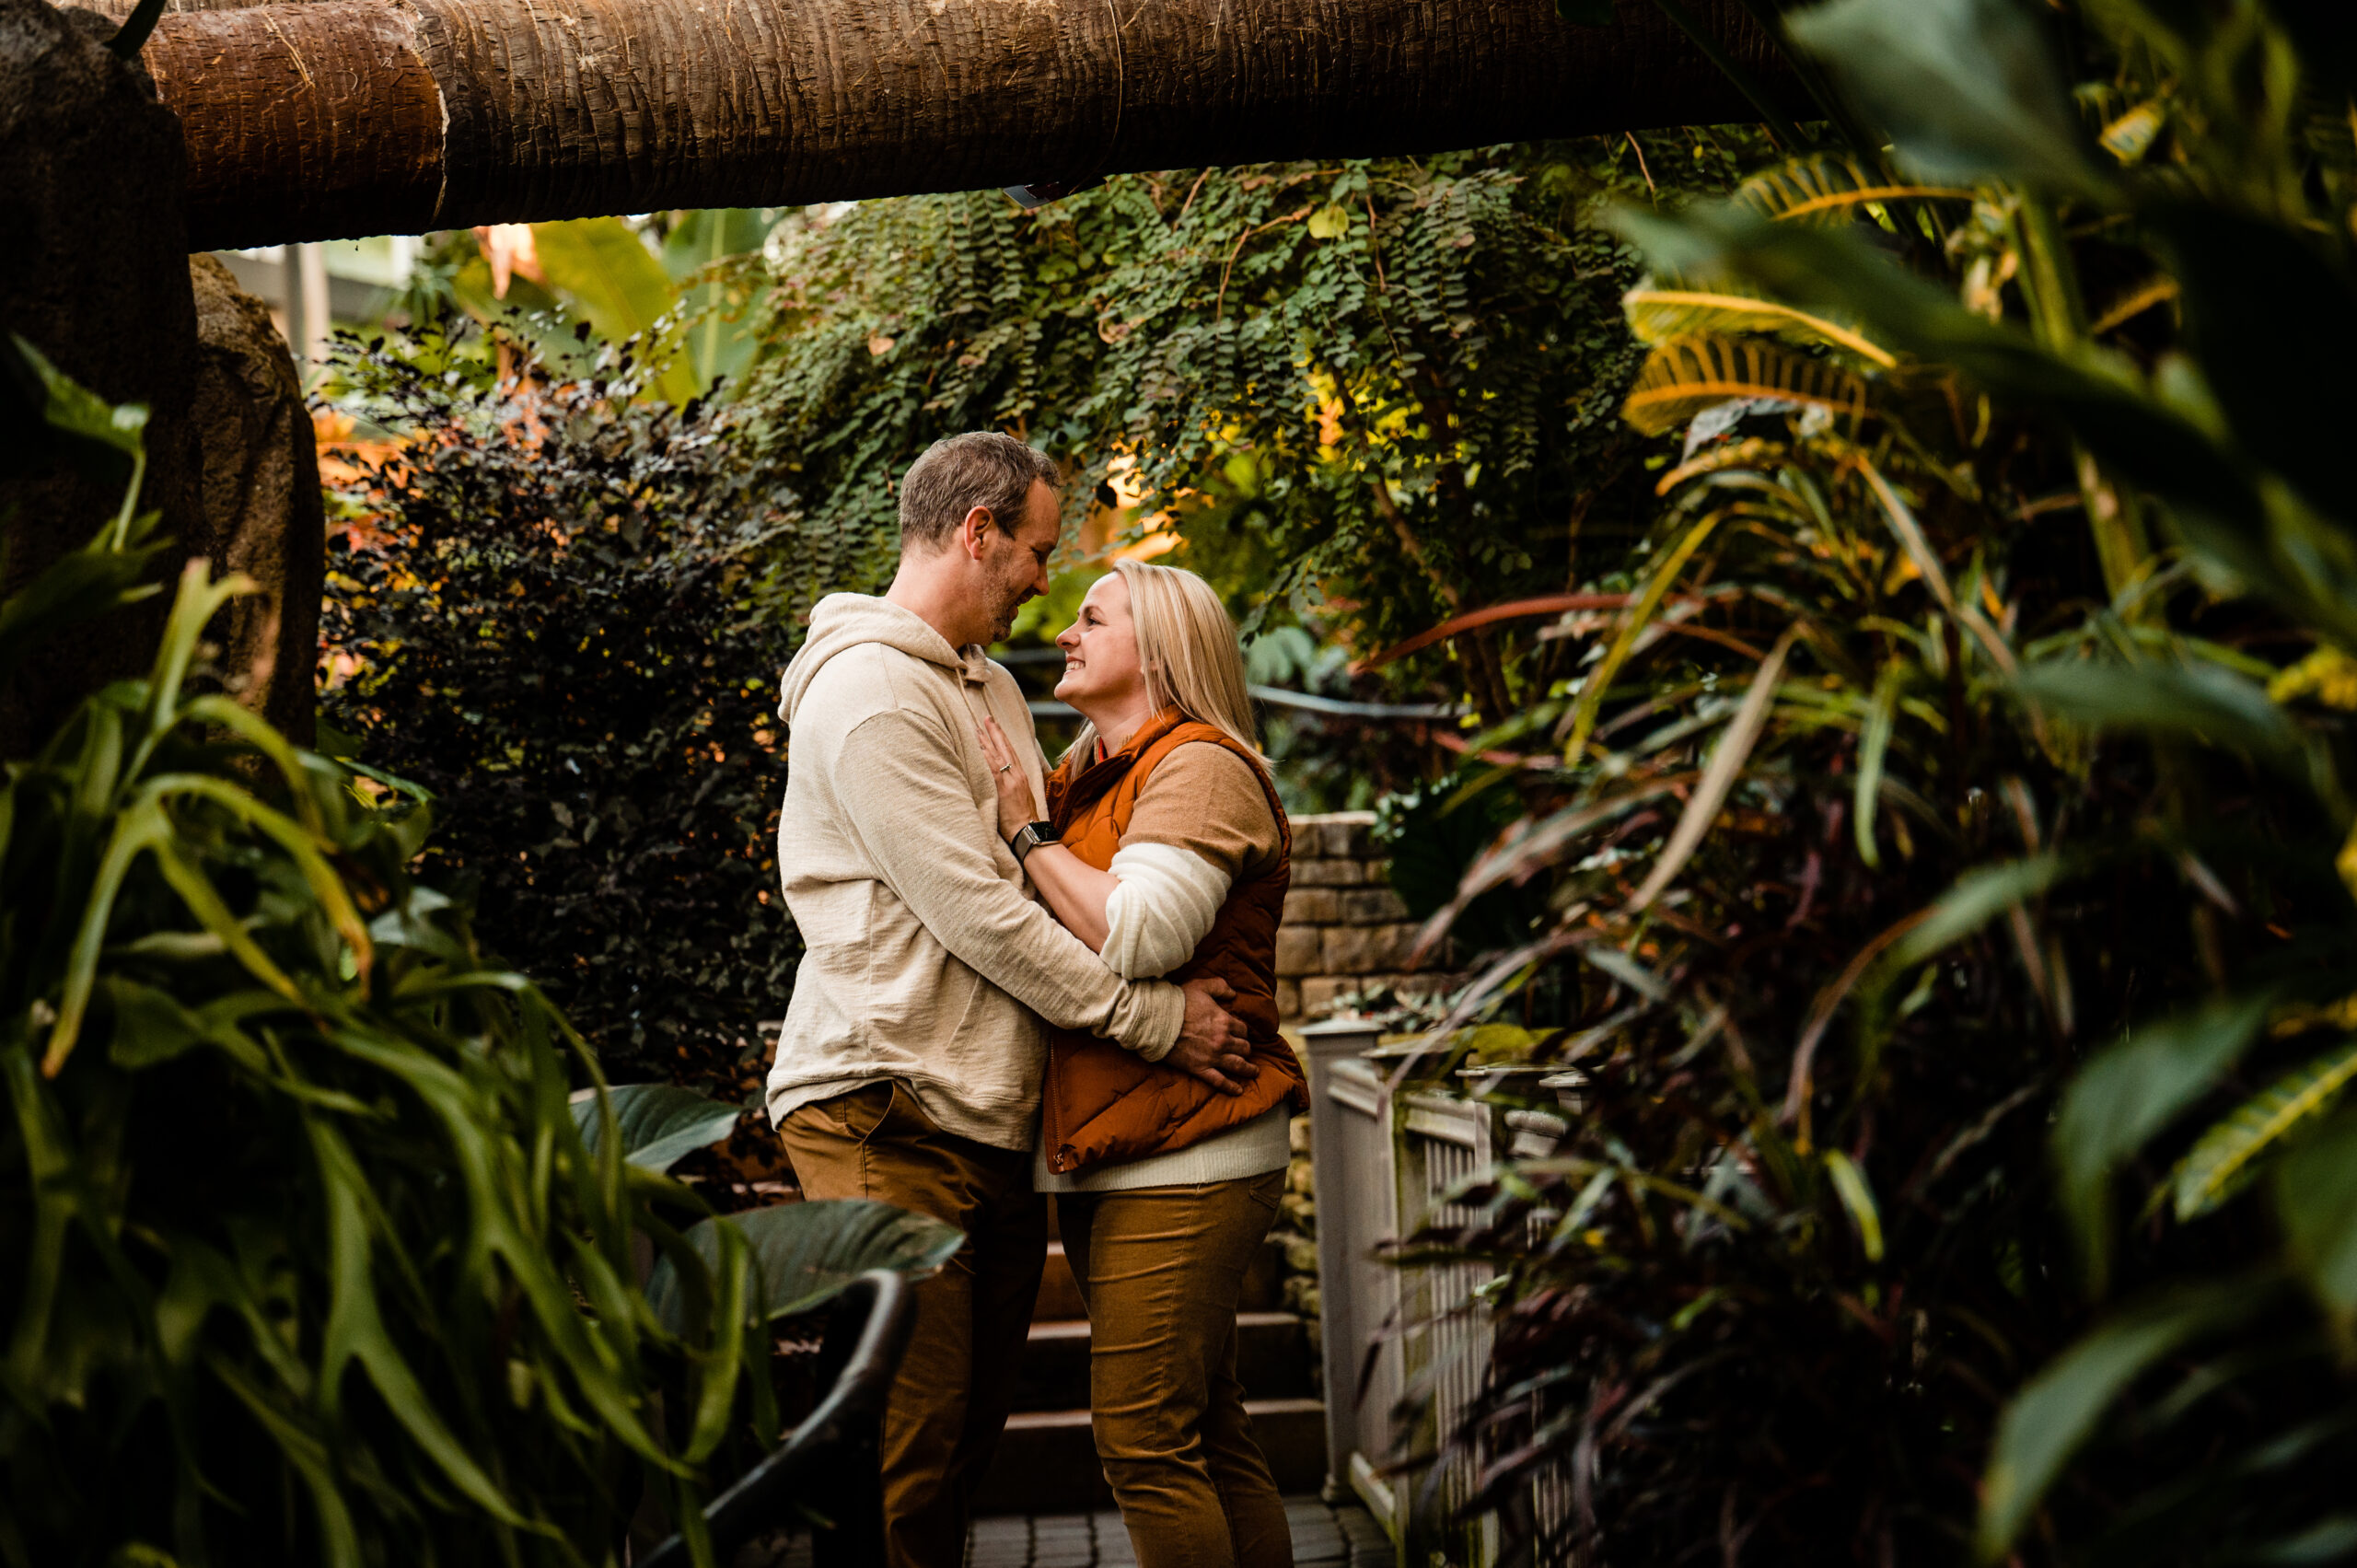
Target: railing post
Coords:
[(1326, 1043)]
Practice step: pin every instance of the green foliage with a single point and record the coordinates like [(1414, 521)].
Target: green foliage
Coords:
[(308, 1257), (605, 271), (806, 1254), (1372, 392), (656, 1123), (549, 613), (299, 1230), (2027, 829)]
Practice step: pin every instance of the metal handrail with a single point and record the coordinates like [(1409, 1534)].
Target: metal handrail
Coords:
[(834, 1453)]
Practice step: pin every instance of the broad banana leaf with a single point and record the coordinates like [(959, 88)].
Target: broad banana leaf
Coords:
[(806, 1254), (1686, 375), (529, 312), (712, 234), (660, 1122), (716, 309), (600, 267)]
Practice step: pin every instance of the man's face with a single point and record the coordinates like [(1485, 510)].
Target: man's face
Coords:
[(1015, 570)]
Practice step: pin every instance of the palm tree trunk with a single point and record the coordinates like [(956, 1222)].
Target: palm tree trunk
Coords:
[(338, 118)]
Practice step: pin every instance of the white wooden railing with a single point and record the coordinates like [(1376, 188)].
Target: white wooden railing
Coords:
[(1383, 1165)]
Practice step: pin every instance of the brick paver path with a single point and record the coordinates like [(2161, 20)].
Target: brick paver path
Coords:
[(1323, 1536)]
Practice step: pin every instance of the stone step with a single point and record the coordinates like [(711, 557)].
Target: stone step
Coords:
[(1060, 1293), (1272, 1361), (1046, 1461)]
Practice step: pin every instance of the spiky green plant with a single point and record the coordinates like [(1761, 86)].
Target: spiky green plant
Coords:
[(305, 1256)]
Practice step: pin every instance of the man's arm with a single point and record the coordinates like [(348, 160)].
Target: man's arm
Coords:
[(902, 784)]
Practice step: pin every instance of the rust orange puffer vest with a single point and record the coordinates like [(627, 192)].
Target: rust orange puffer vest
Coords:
[(1102, 1103)]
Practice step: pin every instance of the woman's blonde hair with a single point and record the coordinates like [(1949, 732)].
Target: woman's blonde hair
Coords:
[(1189, 650)]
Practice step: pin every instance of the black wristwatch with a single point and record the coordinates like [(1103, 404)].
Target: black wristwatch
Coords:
[(1031, 836)]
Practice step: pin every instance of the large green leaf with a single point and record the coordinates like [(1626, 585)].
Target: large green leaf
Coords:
[(106, 572), (1685, 376), (1824, 189), (2056, 1411), (2130, 1091), (2217, 705), (46, 414), (721, 335), (2315, 1194), (1966, 89), (2221, 1162), (2099, 397), (713, 234), (601, 267), (660, 1122), (804, 1254)]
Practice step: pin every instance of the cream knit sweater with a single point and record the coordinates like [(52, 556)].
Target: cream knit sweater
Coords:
[(925, 961)]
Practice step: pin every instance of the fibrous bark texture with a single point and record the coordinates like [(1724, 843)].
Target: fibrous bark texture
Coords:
[(348, 117), (261, 500), (94, 272)]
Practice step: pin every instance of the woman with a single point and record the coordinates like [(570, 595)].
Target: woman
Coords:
[(1170, 856)]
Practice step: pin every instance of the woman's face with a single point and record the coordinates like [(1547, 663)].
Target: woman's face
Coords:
[(1102, 673)]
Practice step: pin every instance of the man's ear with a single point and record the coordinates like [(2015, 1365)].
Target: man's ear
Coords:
[(973, 531)]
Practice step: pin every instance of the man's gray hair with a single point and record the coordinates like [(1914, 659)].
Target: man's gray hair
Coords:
[(959, 473)]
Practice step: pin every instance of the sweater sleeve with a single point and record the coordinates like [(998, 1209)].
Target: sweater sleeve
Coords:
[(1163, 909), (903, 786), (1204, 798)]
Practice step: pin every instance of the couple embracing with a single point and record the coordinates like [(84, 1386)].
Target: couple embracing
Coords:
[(1022, 980)]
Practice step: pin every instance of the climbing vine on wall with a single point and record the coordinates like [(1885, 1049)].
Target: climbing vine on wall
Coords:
[(1378, 389)]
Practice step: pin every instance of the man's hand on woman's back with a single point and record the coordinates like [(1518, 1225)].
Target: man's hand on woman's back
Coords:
[(1213, 1043)]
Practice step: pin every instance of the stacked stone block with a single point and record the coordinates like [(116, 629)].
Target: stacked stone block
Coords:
[(1344, 929)]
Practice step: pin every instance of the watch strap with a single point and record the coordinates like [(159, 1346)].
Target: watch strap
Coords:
[(1031, 836)]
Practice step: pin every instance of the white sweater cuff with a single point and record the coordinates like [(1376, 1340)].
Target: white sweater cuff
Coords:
[(1162, 910)]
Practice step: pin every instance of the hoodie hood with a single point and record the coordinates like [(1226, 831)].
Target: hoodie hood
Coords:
[(842, 621)]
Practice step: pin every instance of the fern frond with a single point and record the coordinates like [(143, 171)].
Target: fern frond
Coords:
[(1825, 188), (2218, 1167), (1658, 314), (1685, 376)]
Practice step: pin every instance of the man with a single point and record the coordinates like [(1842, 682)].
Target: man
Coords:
[(908, 1067)]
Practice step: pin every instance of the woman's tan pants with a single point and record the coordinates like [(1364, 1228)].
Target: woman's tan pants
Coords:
[(1161, 1270)]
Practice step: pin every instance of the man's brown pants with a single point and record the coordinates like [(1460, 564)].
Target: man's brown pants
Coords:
[(957, 1382)]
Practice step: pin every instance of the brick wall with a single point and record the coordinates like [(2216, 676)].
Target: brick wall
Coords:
[(1344, 928)]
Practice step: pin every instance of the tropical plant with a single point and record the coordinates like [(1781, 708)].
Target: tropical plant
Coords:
[(2008, 880), (307, 1258), (546, 610), (576, 297)]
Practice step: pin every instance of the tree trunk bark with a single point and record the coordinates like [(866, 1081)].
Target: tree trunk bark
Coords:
[(340, 118), (262, 509), (94, 274)]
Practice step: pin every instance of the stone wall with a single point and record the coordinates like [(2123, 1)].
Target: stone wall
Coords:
[(1344, 929)]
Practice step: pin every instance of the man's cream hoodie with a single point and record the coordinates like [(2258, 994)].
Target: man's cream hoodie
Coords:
[(924, 959)]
